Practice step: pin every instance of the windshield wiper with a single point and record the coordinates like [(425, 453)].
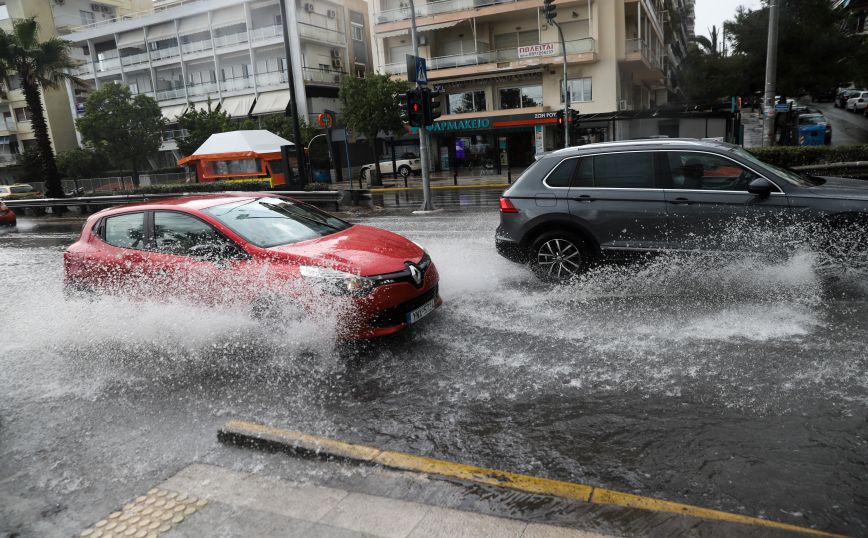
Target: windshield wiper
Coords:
[(293, 214)]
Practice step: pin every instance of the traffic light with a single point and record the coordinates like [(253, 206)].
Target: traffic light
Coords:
[(549, 10), (431, 99), (403, 106), (560, 117), (416, 108), (574, 119)]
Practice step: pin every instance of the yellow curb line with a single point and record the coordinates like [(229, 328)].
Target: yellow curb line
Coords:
[(434, 187), (250, 433)]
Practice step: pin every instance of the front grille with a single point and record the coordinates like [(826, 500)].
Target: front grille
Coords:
[(397, 314)]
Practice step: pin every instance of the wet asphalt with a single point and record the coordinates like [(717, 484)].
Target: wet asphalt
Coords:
[(731, 383)]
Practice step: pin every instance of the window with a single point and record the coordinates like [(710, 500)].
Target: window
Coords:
[(23, 114), (125, 231), (86, 17), (562, 174), (185, 235), (580, 90), (524, 97), (460, 103), (513, 40), (268, 222), (357, 31), (703, 171), (235, 166), (624, 170), (360, 70)]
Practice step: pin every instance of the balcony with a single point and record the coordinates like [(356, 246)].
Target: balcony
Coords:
[(7, 159), (236, 84), (172, 93), (640, 50), (162, 54), (135, 59), (7, 125), (323, 35), (578, 46), (84, 70), (196, 46), (322, 76), (202, 89), (230, 39), (108, 62), (271, 78), (266, 32), (435, 8)]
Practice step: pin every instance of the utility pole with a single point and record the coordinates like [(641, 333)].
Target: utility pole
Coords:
[(771, 75), (293, 104), (427, 204), (550, 13)]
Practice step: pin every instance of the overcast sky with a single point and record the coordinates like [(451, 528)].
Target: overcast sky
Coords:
[(714, 12)]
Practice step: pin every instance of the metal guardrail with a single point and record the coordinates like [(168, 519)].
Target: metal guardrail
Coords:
[(832, 166), (107, 201)]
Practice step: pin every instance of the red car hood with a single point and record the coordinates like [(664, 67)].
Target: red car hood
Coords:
[(360, 249)]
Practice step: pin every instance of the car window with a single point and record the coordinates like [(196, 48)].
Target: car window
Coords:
[(19, 189), (562, 174), (633, 170), (185, 235), (125, 231), (704, 171), (4, 190)]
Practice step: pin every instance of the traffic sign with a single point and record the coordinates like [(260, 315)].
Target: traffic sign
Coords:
[(421, 71), (326, 120)]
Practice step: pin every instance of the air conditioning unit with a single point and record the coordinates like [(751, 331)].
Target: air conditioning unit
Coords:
[(336, 63), (337, 78), (308, 8), (622, 104), (336, 53), (332, 14)]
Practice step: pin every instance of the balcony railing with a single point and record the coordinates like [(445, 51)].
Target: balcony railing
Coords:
[(577, 46), (174, 93), (266, 32), (326, 76), (434, 8), (202, 89), (8, 158), (230, 39), (170, 52), (271, 78), (7, 125), (83, 70), (655, 58), (134, 59), (196, 46), (324, 35), (108, 62), (234, 84)]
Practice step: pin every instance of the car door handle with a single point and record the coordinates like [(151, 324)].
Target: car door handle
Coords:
[(680, 200), (584, 198)]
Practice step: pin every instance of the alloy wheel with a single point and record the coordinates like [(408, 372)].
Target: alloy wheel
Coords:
[(559, 259)]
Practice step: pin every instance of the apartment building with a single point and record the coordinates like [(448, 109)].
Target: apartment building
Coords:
[(502, 66), (231, 52), (54, 18)]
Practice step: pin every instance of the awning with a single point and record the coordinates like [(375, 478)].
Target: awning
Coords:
[(394, 33), (161, 31), (269, 102), (193, 24), (128, 39), (237, 107), (439, 26), (171, 113), (227, 17)]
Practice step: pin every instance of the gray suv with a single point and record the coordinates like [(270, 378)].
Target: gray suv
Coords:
[(576, 205)]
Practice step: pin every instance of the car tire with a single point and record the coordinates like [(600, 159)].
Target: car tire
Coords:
[(404, 171), (365, 174), (559, 256)]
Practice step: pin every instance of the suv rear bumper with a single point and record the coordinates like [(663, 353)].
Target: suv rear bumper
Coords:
[(509, 249)]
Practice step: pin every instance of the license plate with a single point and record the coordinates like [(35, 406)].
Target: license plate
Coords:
[(415, 315)]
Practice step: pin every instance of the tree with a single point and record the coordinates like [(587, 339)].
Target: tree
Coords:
[(40, 65), (370, 105), (126, 128), (80, 163), (200, 124), (282, 126), (30, 164)]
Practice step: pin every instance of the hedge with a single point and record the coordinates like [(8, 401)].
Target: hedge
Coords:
[(790, 156), (217, 186)]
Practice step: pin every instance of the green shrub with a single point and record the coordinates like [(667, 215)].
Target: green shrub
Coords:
[(791, 156), (217, 186)]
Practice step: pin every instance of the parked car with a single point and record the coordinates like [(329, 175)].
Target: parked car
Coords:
[(842, 97), (260, 250), (857, 101), (7, 216), (408, 163), (814, 129), (18, 191), (580, 204)]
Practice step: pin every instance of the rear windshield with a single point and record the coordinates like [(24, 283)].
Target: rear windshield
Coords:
[(269, 222), (812, 120)]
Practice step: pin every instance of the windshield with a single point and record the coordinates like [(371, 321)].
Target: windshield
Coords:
[(269, 222), (812, 120), (791, 176)]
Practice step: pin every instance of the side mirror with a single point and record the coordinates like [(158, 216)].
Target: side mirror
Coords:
[(760, 187)]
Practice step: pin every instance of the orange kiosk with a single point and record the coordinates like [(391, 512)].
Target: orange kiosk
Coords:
[(239, 156)]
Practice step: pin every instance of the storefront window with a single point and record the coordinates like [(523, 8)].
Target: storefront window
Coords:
[(580, 90), (233, 167), (460, 103), (524, 97)]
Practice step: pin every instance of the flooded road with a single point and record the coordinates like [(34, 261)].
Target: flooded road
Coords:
[(730, 383)]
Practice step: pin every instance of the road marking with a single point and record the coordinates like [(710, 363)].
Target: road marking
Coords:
[(148, 515), (253, 434), (442, 187)]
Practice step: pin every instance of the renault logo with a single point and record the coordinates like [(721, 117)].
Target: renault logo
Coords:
[(415, 273)]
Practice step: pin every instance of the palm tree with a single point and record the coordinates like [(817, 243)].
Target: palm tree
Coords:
[(40, 65), (709, 46)]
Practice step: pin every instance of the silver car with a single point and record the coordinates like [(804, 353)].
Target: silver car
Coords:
[(580, 204)]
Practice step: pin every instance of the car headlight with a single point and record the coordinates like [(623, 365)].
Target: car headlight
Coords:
[(336, 282)]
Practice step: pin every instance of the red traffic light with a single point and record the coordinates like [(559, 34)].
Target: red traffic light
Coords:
[(416, 107)]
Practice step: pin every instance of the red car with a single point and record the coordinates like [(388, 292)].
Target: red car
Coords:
[(262, 250), (7, 216)]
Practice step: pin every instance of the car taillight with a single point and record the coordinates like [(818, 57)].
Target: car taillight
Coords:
[(506, 206)]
